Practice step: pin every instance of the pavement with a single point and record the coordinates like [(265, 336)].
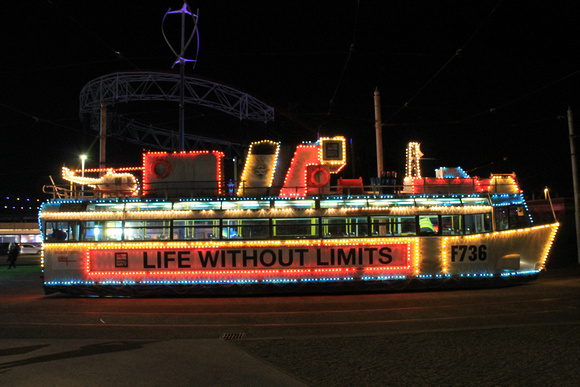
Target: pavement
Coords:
[(458, 358), (89, 362)]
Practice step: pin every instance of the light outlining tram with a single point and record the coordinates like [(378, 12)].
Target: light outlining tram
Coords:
[(289, 230)]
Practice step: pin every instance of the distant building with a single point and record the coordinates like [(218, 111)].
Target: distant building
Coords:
[(19, 220)]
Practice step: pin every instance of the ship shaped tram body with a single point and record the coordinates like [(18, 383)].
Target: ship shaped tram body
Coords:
[(289, 224)]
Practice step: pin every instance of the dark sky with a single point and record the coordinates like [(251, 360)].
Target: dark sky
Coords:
[(474, 82)]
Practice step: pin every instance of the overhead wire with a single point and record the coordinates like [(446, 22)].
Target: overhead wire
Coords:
[(494, 109), (93, 35), (350, 51), (58, 67), (518, 99), (455, 55), (37, 119), (513, 101)]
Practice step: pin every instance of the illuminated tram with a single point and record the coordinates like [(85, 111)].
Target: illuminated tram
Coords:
[(189, 233)]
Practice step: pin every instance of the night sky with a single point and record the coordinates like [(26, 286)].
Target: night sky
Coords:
[(483, 85)]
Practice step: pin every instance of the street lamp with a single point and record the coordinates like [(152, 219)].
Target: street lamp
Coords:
[(83, 158)]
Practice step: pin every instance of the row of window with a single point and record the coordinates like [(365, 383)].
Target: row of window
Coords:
[(252, 229), (263, 204)]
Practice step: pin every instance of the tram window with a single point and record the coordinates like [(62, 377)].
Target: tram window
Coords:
[(295, 227), (254, 204), (339, 227), (437, 202), (155, 206), (197, 206), (331, 203), (451, 224), (477, 223), (74, 231), (356, 203), (61, 231), (501, 219), (475, 201), (334, 227), (301, 203), (147, 230), (517, 217), (105, 207), (245, 228), (102, 230), (382, 225), (393, 225), (428, 224), (196, 229)]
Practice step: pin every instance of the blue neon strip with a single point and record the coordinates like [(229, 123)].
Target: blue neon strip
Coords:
[(285, 280)]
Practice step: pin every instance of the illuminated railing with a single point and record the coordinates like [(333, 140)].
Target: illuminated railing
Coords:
[(198, 189), (72, 191)]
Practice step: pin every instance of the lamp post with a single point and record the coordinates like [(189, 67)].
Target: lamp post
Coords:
[(83, 158)]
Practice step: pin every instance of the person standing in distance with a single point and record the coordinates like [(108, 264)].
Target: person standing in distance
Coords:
[(13, 251)]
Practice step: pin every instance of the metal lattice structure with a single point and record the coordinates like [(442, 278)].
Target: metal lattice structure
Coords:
[(136, 132), (126, 87)]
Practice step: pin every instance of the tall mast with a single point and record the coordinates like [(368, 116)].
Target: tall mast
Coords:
[(574, 179), (182, 60), (379, 132)]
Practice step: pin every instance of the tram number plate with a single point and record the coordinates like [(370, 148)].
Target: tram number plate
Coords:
[(461, 253)]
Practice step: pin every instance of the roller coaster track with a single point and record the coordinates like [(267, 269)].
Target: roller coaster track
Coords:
[(126, 87)]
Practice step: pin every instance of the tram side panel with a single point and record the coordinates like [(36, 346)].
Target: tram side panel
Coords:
[(507, 252), (512, 251), (430, 262), (64, 264), (224, 263)]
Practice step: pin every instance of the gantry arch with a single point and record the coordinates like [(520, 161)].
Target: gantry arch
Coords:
[(125, 87)]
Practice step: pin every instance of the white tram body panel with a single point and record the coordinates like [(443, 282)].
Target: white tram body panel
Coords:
[(213, 264)]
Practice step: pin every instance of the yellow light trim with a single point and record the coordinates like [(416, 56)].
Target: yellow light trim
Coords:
[(343, 148), (247, 165), (548, 247), (413, 168), (224, 244), (416, 257), (444, 258), (511, 184)]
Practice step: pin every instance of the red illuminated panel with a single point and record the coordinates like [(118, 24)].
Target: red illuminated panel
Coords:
[(181, 173), (296, 177), (194, 261)]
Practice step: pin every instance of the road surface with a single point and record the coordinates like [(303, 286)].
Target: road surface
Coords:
[(521, 335)]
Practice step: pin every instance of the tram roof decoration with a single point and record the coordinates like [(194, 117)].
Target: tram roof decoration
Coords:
[(201, 173), (309, 170), (311, 166), (451, 180), (183, 173), (110, 184), (414, 154), (450, 173), (259, 168)]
